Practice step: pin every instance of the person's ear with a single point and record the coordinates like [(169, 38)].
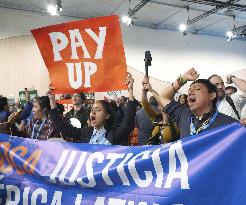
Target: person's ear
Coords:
[(107, 116), (212, 96)]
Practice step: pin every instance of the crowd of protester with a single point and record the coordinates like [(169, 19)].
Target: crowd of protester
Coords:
[(126, 121)]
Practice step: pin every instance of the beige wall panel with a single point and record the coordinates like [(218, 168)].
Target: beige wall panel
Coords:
[(21, 66)]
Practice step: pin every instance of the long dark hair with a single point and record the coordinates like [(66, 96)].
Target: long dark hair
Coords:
[(109, 123), (186, 98), (44, 103), (211, 88)]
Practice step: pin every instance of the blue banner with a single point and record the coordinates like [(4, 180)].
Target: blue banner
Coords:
[(205, 169)]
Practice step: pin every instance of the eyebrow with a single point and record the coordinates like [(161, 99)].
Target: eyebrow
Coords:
[(96, 107), (194, 86)]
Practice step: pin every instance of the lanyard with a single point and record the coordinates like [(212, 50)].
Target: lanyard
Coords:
[(40, 128), (205, 124)]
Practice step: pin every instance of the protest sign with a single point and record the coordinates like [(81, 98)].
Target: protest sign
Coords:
[(84, 55)]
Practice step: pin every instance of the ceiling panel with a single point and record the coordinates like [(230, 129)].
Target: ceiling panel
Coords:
[(15, 22), (155, 14), (18, 17), (25, 4)]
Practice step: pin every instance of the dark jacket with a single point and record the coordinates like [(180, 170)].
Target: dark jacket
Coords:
[(7, 120), (145, 126), (24, 114), (118, 135), (82, 115), (119, 114), (182, 115)]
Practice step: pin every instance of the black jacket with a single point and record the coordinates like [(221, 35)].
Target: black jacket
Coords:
[(145, 126), (118, 135), (182, 115), (82, 115)]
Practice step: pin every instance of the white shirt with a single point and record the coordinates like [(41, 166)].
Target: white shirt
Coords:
[(239, 99), (243, 112)]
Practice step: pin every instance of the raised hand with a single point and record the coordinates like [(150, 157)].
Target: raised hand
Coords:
[(146, 84), (243, 121), (129, 81), (190, 75), (228, 79), (52, 98), (27, 96), (50, 95)]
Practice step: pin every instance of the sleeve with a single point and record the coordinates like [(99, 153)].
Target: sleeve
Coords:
[(66, 129), (239, 99), (149, 110), (243, 112), (54, 132), (25, 129), (170, 133), (127, 125), (21, 114), (4, 116), (67, 115), (177, 112), (26, 111), (121, 113), (84, 117), (4, 128)]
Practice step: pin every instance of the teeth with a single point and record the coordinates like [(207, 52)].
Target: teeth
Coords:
[(192, 100)]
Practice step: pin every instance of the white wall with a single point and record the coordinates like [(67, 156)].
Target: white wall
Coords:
[(174, 53), (21, 64)]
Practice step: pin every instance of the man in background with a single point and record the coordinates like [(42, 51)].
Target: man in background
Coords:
[(144, 123), (233, 104), (78, 111)]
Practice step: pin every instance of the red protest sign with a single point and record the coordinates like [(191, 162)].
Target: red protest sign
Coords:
[(85, 55)]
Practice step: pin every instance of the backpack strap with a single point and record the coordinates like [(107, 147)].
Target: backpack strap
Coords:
[(231, 103)]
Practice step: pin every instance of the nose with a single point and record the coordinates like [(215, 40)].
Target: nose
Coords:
[(219, 86), (190, 91)]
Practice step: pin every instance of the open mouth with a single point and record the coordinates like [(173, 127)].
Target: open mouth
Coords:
[(93, 118), (192, 99)]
